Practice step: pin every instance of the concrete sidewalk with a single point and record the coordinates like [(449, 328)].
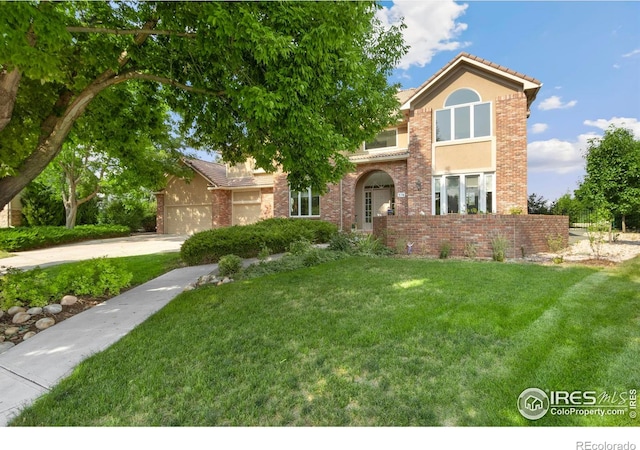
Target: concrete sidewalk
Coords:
[(33, 367), (138, 244)]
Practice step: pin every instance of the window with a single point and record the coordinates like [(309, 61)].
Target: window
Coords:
[(464, 117), (385, 139), (304, 204), (470, 194)]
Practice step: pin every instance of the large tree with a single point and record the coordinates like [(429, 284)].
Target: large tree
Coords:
[(612, 181), (291, 84)]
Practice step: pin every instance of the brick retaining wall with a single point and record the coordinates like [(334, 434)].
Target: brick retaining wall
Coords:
[(525, 234)]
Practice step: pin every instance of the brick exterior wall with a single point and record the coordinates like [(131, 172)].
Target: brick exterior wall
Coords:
[(221, 210), (160, 213), (511, 153), (419, 164), (266, 205), (526, 234)]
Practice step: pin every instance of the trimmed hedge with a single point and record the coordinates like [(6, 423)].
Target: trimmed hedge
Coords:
[(29, 238), (248, 240)]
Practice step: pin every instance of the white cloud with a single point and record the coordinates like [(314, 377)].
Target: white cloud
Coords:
[(555, 102), (557, 156), (624, 122), (631, 53), (431, 28), (538, 128), (616, 66)]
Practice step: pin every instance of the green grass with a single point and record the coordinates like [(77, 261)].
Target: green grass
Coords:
[(366, 342), (4, 254)]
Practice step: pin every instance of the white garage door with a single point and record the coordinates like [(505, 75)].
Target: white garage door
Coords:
[(187, 219)]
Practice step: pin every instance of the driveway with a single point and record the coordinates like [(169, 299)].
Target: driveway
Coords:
[(139, 244)]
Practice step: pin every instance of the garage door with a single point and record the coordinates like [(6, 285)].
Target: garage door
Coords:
[(245, 207), (187, 219)]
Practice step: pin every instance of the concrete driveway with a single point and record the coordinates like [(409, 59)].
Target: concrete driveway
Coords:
[(139, 244)]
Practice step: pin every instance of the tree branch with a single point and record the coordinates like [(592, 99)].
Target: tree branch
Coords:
[(164, 80), (128, 32)]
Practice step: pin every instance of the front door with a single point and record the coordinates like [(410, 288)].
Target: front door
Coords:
[(376, 203)]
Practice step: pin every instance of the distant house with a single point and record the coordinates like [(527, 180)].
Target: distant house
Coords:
[(460, 148), (11, 214)]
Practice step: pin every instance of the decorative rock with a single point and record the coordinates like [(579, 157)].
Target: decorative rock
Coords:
[(28, 335), (11, 331), (4, 346), (45, 323), (21, 317), (226, 280), (15, 310), (1, 313), (68, 300), (53, 309), (1, 337), (189, 287), (34, 311)]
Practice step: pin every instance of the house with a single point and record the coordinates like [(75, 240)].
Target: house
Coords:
[(11, 214), (460, 149)]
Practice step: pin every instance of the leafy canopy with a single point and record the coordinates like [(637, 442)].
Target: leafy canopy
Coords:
[(292, 84)]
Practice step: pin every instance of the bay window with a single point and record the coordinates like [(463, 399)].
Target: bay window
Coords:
[(465, 194)]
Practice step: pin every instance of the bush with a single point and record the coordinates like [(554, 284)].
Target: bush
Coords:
[(499, 246), (41, 206), (341, 242), (229, 265), (291, 262), (95, 278), (27, 238), (300, 247), (247, 241), (445, 249)]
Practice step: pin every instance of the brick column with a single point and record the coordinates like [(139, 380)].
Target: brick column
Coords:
[(419, 163)]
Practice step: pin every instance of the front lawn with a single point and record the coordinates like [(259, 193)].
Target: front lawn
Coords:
[(366, 341)]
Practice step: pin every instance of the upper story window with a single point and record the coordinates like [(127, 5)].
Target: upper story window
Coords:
[(464, 116), (384, 139)]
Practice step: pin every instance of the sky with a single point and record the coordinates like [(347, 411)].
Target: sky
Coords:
[(586, 54)]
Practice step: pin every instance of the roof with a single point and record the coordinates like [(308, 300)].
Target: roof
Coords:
[(530, 85), (391, 155), (216, 175)]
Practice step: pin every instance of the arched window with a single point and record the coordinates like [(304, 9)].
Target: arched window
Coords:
[(462, 96), (464, 116)]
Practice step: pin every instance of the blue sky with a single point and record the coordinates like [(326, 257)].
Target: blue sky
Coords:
[(586, 54)]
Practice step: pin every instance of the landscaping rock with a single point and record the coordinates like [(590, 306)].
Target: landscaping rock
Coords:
[(53, 309), (45, 323), (11, 331), (68, 300), (1, 313), (226, 280), (15, 310), (34, 311), (21, 317), (4, 346), (28, 335)]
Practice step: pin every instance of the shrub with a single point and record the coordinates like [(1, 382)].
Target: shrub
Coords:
[(341, 242), (291, 262), (96, 277), (499, 245), (264, 253), (27, 238), (555, 242), (445, 249), (300, 247), (41, 206), (369, 245), (229, 265), (470, 250), (248, 240)]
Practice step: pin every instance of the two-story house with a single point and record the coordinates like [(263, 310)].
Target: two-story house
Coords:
[(461, 148)]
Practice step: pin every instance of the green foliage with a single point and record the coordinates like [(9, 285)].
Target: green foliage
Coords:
[(41, 205), (537, 204), (364, 244), (131, 211), (499, 246), (556, 242), (229, 265), (445, 249), (612, 181), (96, 277), (568, 206), (37, 287), (290, 262), (28, 238), (25, 288), (248, 240), (341, 242), (300, 247), (264, 253), (282, 78)]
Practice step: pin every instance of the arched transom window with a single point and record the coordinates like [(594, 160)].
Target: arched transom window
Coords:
[(464, 116)]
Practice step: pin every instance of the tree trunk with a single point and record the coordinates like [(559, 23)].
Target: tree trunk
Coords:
[(71, 212), (9, 82), (624, 223)]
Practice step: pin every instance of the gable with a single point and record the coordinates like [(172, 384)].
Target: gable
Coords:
[(182, 192)]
